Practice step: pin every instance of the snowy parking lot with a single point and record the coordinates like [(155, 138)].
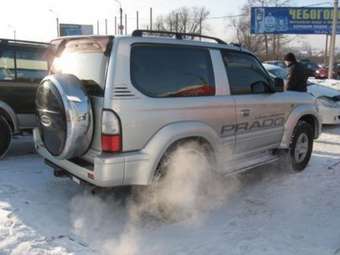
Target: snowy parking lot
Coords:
[(267, 211)]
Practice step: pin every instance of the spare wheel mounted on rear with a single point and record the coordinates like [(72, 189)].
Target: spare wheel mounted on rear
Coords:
[(65, 116)]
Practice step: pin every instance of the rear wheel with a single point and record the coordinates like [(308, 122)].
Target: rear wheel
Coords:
[(301, 146), (5, 136), (181, 181)]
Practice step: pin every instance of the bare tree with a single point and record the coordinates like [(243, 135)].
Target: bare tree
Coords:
[(264, 45), (184, 20)]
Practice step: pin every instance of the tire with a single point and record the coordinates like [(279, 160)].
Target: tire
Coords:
[(181, 179), (5, 137), (301, 146), (192, 146)]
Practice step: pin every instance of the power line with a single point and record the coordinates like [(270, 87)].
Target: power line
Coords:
[(243, 15), (228, 16), (316, 4)]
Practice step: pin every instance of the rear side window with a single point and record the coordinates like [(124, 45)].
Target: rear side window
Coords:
[(26, 64), (7, 64), (31, 65), (172, 71), (244, 71)]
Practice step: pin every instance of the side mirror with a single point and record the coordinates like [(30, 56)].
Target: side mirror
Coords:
[(260, 87), (279, 84)]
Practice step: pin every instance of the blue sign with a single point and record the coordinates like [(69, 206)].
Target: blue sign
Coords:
[(75, 29), (292, 20)]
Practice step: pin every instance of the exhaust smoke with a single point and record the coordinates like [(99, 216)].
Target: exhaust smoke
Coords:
[(186, 193)]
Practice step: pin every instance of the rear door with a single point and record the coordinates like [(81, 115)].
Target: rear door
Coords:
[(87, 59), (260, 113)]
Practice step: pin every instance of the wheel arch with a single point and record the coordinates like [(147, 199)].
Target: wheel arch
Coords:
[(306, 113), (8, 113), (171, 136), (313, 121)]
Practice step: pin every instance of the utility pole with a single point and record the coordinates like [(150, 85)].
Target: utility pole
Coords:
[(14, 31), (120, 27), (326, 50), (265, 38), (57, 21), (150, 18), (200, 29), (115, 25), (333, 40), (137, 16), (98, 27), (125, 24), (106, 26), (58, 27)]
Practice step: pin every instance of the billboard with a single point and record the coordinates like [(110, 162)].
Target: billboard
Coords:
[(75, 29), (292, 20)]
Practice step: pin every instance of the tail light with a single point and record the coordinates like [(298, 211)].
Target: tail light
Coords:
[(111, 132)]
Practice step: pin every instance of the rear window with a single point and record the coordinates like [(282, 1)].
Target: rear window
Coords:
[(84, 58), (172, 71)]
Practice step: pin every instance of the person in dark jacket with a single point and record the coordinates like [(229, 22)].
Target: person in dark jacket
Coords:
[(297, 74)]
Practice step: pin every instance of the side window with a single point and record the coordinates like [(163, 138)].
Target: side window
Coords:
[(31, 65), (246, 74), (171, 71), (7, 64)]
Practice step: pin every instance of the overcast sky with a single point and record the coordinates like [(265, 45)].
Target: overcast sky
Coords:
[(32, 19)]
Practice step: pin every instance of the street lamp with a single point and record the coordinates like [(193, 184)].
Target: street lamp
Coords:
[(14, 31), (57, 21), (121, 27), (333, 39)]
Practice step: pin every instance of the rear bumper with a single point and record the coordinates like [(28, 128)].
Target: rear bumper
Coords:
[(107, 170)]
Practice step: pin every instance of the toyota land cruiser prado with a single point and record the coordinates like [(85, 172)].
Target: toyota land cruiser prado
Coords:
[(113, 108)]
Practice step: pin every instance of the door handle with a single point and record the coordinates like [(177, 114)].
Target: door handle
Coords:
[(245, 112)]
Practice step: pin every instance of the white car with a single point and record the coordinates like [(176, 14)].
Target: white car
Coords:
[(328, 96)]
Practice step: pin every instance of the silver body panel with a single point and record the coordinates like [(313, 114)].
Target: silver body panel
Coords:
[(151, 125)]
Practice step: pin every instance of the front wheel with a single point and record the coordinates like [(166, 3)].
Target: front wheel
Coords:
[(5, 136), (301, 146)]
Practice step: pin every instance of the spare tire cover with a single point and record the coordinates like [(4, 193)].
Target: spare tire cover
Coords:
[(65, 116)]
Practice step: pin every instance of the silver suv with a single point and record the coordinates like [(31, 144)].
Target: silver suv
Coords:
[(113, 109)]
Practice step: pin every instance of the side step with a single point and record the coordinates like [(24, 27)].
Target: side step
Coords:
[(274, 159), (257, 160)]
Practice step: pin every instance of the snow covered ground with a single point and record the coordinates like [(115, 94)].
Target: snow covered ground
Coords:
[(266, 211), (335, 84)]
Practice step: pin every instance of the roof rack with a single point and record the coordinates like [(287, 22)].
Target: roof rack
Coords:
[(179, 36), (22, 42)]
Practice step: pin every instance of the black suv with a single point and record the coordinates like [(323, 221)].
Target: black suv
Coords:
[(22, 66)]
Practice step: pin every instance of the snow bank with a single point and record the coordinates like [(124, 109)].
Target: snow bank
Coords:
[(327, 82)]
